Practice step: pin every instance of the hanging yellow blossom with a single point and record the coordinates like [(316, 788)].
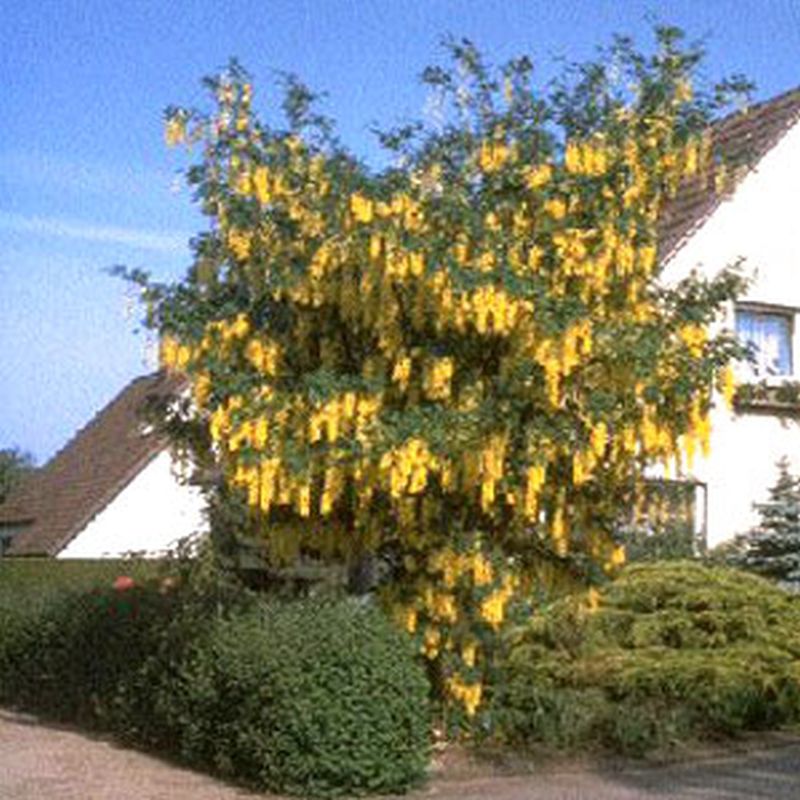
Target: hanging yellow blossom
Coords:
[(459, 355), (175, 130)]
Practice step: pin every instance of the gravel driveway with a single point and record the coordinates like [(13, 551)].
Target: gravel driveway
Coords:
[(57, 763)]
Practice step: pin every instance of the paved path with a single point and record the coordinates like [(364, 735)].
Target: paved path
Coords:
[(40, 762)]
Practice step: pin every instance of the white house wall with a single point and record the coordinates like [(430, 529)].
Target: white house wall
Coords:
[(761, 223), (148, 516)]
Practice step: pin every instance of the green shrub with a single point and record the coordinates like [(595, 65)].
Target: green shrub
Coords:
[(674, 651), (68, 658), (43, 609), (307, 698), (303, 697), (24, 581)]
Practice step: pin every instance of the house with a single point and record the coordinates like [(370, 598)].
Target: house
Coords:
[(754, 219), (114, 489)]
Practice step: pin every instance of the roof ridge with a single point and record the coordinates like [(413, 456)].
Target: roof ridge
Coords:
[(761, 105), (93, 467), (96, 417), (111, 492), (744, 138)]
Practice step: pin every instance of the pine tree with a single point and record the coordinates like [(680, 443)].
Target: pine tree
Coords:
[(773, 548)]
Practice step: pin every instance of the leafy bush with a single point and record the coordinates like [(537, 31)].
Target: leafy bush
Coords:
[(43, 602), (68, 658), (671, 652), (304, 697), (308, 698), (29, 584)]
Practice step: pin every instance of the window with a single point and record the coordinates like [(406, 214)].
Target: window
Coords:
[(668, 522), (768, 335)]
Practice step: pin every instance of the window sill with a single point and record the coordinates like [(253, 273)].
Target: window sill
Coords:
[(773, 395)]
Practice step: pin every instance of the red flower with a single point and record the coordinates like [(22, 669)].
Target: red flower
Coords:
[(123, 583)]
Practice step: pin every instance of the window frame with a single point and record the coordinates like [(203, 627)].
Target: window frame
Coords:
[(787, 313)]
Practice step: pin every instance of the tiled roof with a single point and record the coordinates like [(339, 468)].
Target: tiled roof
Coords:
[(743, 139), (83, 478)]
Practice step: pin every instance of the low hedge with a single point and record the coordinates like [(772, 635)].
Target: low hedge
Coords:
[(67, 657), (306, 698), (674, 651), (302, 697), (41, 601), (31, 585)]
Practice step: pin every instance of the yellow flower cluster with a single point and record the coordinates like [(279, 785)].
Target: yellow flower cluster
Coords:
[(175, 130), (201, 390), (240, 243), (585, 461), (405, 469), (694, 337), (263, 187), (493, 155), (228, 330), (267, 484), (220, 421), (407, 211), (534, 481), (467, 693), (558, 527), (362, 209), (492, 459), (599, 438), (583, 464), (332, 489), (587, 158), (259, 480), (538, 176), (617, 559), (401, 263), (263, 355), (559, 359), (252, 432), (431, 642), (556, 208), (469, 653), (491, 310), (460, 599), (493, 607), (402, 208), (728, 386), (699, 431), (401, 373), (438, 375), (406, 617), (341, 415), (440, 606), (173, 355), (657, 438), (453, 565)]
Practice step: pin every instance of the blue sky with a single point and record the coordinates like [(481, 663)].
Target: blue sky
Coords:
[(86, 182)]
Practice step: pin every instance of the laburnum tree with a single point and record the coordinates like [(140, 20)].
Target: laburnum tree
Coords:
[(464, 362)]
